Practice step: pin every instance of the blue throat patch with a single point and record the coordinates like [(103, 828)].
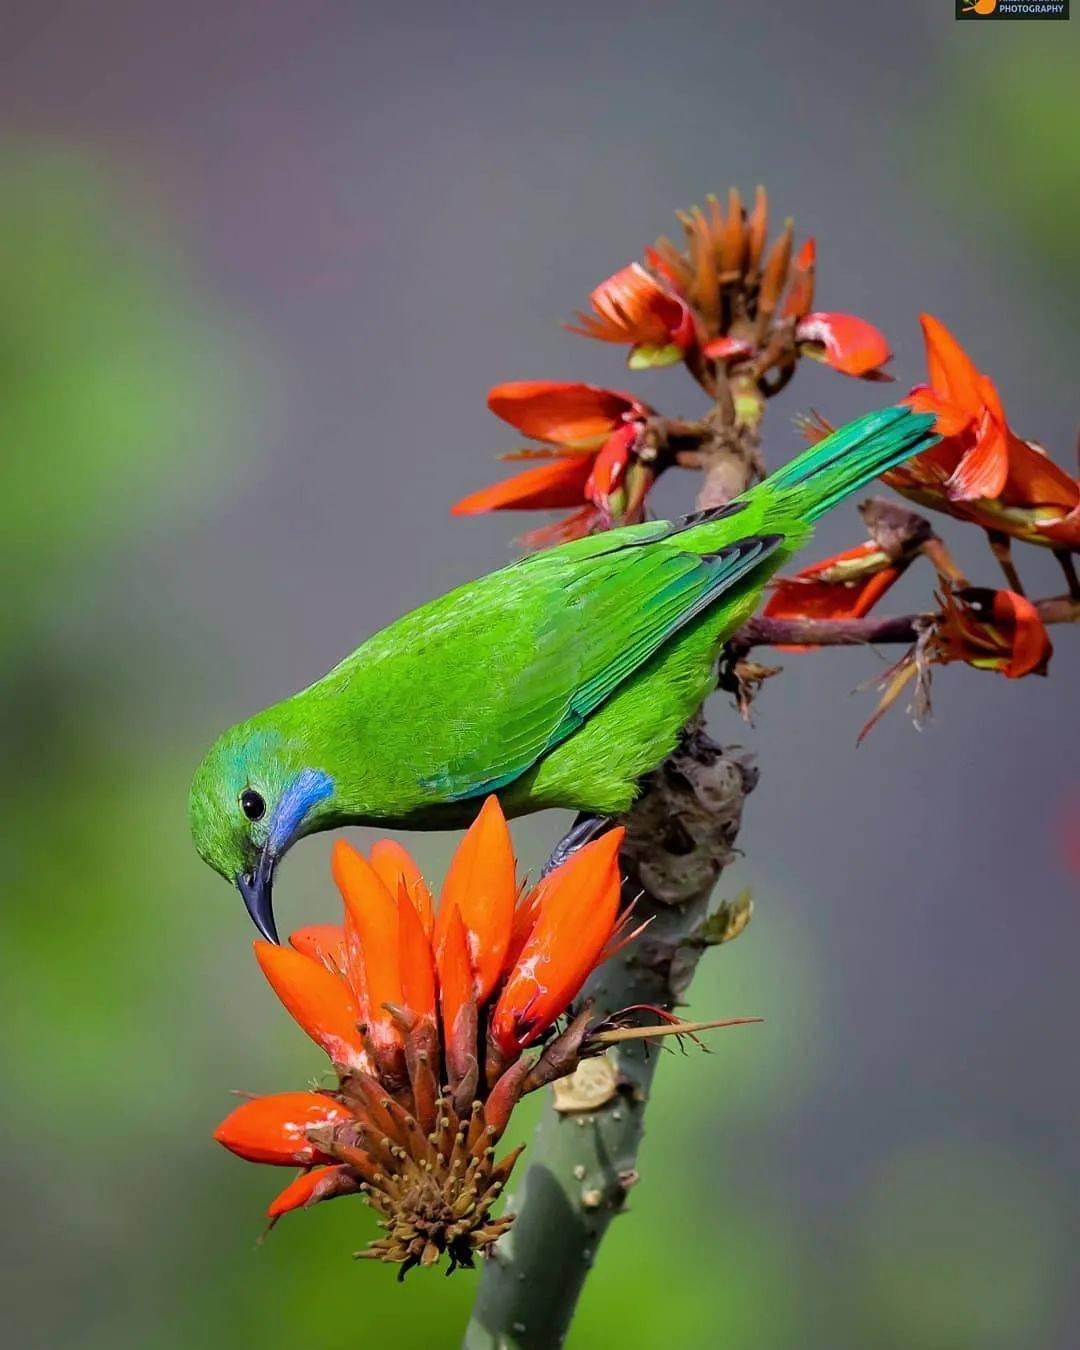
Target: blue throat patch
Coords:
[(304, 792)]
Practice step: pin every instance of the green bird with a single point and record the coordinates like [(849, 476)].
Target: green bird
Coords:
[(558, 681)]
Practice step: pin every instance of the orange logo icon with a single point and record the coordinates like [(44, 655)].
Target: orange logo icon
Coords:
[(980, 7)]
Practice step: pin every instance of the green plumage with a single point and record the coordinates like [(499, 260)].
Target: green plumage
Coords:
[(558, 681)]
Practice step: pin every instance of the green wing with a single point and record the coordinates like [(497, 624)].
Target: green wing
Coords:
[(526, 654)]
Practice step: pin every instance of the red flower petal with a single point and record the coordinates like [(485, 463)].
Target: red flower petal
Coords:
[(983, 469), (951, 420), (953, 375), (481, 886), (322, 942), (633, 307), (394, 865), (355, 979), (1031, 647), (526, 913), (578, 910), (560, 482), (456, 978), (847, 343), (317, 1001), (415, 959), (1035, 480), (728, 349), (373, 911), (580, 416), (666, 262), (575, 526), (610, 465), (321, 1183), (273, 1129), (845, 586)]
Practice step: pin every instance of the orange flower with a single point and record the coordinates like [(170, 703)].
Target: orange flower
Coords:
[(845, 586), (427, 1019), (992, 630), (590, 438), (420, 1101), (633, 307), (987, 629), (981, 471)]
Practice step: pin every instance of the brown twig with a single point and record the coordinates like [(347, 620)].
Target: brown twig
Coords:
[(887, 630)]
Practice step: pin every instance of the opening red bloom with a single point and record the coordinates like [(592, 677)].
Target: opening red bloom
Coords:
[(589, 437), (576, 416), (981, 471), (987, 629), (845, 586), (992, 630), (633, 307)]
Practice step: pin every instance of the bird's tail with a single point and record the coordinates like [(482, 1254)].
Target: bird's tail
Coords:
[(825, 474)]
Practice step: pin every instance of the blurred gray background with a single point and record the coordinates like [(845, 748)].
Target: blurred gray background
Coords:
[(259, 265)]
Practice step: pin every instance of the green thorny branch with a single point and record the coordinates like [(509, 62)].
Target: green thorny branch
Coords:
[(680, 835)]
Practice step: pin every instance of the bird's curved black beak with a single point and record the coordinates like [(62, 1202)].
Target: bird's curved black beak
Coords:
[(257, 889)]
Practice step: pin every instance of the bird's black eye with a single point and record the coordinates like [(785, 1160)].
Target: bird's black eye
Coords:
[(252, 804)]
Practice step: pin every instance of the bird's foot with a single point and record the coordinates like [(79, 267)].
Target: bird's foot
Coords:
[(583, 831)]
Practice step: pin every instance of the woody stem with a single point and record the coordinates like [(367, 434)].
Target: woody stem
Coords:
[(900, 628)]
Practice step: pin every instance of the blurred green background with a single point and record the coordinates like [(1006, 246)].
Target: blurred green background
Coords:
[(257, 270)]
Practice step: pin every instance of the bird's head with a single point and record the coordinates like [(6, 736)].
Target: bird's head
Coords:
[(253, 796)]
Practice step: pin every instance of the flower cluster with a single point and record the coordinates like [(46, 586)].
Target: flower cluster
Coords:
[(728, 301), (731, 308), (428, 1017), (982, 472)]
